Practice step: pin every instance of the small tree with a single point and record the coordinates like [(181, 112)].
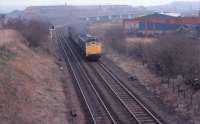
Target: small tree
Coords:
[(116, 38), (36, 32)]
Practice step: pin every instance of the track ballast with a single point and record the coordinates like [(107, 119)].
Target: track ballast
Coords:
[(106, 98)]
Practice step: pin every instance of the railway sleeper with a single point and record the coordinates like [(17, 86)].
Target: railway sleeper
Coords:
[(133, 104), (144, 117), (136, 108), (148, 122), (139, 113)]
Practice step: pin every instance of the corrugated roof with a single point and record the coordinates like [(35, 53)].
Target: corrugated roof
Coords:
[(161, 18)]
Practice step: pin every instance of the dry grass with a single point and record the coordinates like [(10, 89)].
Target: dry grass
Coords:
[(35, 32), (8, 35), (30, 85), (138, 39), (99, 29)]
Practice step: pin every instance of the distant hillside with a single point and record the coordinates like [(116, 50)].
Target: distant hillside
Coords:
[(62, 15), (68, 14), (185, 8), (2, 17), (14, 14)]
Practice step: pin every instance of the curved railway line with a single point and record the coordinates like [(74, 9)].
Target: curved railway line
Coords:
[(106, 98)]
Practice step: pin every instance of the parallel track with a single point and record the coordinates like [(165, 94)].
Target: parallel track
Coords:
[(100, 112), (121, 115), (97, 110), (135, 106)]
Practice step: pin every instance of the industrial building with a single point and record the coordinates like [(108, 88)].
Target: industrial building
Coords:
[(159, 23)]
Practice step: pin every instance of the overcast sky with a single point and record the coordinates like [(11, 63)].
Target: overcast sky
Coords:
[(9, 5)]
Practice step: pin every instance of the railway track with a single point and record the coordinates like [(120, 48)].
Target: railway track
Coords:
[(97, 111), (107, 100), (122, 113), (133, 104)]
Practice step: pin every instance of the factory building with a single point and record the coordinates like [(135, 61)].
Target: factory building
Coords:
[(159, 23)]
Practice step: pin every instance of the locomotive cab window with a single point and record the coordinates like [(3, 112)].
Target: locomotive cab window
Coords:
[(92, 40)]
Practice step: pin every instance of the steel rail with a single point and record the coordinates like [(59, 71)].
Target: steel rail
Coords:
[(129, 93), (77, 54), (75, 77), (137, 109), (122, 102), (90, 82)]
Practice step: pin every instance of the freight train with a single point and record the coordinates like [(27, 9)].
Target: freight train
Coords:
[(90, 47)]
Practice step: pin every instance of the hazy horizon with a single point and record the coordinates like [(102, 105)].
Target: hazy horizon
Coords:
[(7, 6)]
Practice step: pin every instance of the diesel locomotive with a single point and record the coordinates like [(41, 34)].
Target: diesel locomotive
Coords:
[(90, 46)]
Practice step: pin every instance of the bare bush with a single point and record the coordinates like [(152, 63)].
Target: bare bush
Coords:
[(5, 54), (36, 32), (115, 38), (169, 56), (174, 55)]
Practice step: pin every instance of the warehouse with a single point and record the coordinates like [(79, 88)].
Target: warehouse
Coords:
[(159, 23)]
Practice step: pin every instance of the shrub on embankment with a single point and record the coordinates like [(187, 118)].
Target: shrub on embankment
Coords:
[(168, 56), (173, 55), (35, 32)]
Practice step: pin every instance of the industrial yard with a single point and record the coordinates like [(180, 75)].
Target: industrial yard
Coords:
[(103, 63)]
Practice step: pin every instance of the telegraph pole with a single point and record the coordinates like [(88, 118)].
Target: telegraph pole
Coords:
[(199, 10), (65, 3)]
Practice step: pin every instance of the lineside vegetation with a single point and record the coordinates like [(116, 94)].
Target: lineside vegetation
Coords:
[(169, 56), (35, 32)]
